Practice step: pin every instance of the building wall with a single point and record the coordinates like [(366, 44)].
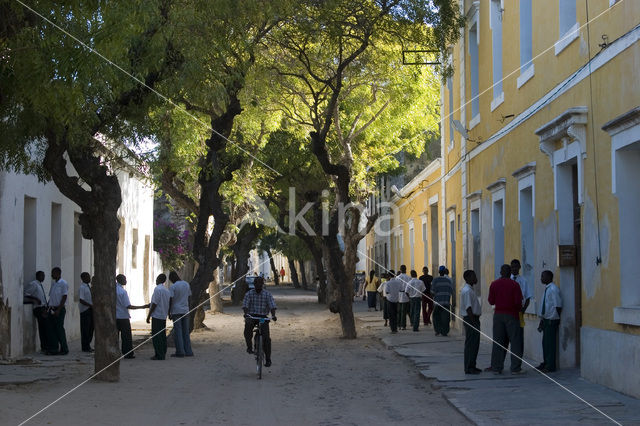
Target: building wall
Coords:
[(34, 235), (514, 162)]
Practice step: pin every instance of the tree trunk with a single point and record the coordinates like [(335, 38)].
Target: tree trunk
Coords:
[(241, 269), (274, 271), (215, 296), (103, 291), (294, 273), (316, 251), (341, 288), (303, 274)]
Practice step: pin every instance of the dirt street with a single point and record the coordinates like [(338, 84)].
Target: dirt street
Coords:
[(316, 379)]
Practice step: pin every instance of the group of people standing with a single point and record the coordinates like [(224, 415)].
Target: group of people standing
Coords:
[(172, 302), (402, 295), (510, 295)]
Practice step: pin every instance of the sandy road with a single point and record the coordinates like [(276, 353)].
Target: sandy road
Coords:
[(316, 379)]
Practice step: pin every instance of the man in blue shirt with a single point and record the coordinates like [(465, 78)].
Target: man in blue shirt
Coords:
[(258, 303)]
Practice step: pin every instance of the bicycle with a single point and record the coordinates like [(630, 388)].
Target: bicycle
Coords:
[(258, 343)]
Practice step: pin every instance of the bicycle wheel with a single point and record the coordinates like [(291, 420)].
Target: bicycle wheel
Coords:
[(259, 354)]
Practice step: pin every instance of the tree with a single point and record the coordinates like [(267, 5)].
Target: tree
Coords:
[(219, 42), (339, 75), (63, 103)]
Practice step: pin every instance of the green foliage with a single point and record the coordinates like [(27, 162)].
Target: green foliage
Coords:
[(172, 244)]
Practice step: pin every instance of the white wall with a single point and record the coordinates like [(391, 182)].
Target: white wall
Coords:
[(137, 210)]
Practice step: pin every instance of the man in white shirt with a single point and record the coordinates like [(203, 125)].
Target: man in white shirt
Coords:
[(403, 299), (57, 310), (549, 322), (526, 298), (392, 292), (470, 311), (34, 293), (414, 290), (179, 313), (85, 305), (123, 322), (158, 313)]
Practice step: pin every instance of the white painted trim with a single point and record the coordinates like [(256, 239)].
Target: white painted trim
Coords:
[(566, 39), (526, 74), (528, 181), (564, 155), (410, 223), (477, 205), (627, 315), (433, 200), (474, 121), (624, 131), (497, 101), (495, 197), (601, 59), (473, 16)]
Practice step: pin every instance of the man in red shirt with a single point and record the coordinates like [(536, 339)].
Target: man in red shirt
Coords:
[(506, 296)]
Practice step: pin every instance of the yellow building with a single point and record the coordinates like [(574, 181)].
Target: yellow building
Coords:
[(541, 162)]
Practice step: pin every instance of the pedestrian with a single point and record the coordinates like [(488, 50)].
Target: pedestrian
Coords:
[(371, 288), (403, 299), (549, 322), (415, 289), (392, 293), (57, 312), (158, 312), (427, 301), (34, 293), (258, 302), (282, 274), (506, 296), (383, 299), (470, 311), (179, 312), (526, 297), (123, 322), (441, 291), (85, 306)]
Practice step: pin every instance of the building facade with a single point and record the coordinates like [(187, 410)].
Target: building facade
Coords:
[(39, 230), (540, 161)]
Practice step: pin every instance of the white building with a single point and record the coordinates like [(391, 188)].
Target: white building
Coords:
[(39, 230)]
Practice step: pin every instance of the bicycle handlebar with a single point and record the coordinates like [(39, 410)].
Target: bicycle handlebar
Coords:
[(261, 319)]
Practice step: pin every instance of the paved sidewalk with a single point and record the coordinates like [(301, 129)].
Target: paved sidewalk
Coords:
[(488, 399)]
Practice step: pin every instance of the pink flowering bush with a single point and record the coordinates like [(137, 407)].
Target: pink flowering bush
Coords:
[(172, 244)]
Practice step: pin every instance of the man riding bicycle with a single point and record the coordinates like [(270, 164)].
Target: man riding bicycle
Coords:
[(258, 303)]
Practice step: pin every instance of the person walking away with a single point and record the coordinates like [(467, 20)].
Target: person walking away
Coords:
[(403, 299), (526, 297), (258, 302), (414, 291), (179, 312), (34, 293), (441, 291), (549, 322), (392, 293), (371, 288), (85, 306), (158, 312), (470, 310), (383, 299), (57, 312), (427, 301), (282, 273), (506, 296), (123, 322)]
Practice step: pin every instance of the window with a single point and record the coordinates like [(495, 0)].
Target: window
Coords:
[(56, 235), (625, 157), (29, 239), (411, 244), (450, 89), (497, 222), (425, 240), (134, 249), (474, 40), (496, 46), (77, 255), (568, 25), (526, 213), (526, 42)]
